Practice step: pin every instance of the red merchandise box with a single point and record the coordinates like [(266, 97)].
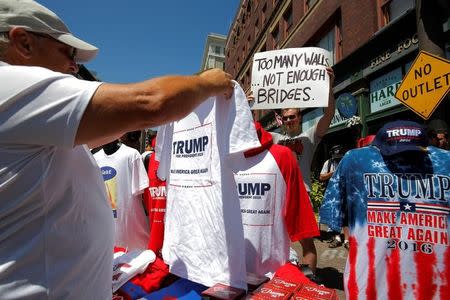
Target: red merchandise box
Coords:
[(222, 292), (279, 283), (255, 280), (267, 292), (314, 292)]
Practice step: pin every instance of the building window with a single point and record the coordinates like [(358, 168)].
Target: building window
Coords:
[(309, 4), (243, 18), (263, 15), (220, 64), (263, 48), (287, 17), (276, 36), (388, 10), (217, 50), (211, 63), (332, 41)]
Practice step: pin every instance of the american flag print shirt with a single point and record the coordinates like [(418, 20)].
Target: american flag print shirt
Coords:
[(398, 211)]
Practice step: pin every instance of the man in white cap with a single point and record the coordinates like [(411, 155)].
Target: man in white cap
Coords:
[(56, 226)]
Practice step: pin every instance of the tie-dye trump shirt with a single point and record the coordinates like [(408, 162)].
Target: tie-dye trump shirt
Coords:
[(398, 211)]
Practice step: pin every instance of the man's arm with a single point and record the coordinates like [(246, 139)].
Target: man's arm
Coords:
[(325, 176), (118, 108), (325, 120), (309, 253)]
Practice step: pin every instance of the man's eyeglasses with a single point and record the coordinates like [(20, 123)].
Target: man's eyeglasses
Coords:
[(73, 52), (289, 118)]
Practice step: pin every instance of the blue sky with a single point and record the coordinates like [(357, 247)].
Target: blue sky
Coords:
[(145, 38)]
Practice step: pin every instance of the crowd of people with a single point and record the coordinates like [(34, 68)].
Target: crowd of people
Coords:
[(64, 209)]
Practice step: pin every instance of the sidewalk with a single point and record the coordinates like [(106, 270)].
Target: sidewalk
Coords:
[(330, 262)]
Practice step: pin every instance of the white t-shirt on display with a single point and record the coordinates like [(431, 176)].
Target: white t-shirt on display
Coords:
[(204, 239), (275, 206), (126, 179), (56, 237)]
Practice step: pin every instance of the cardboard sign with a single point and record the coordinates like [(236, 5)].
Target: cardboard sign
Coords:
[(425, 84), (289, 78)]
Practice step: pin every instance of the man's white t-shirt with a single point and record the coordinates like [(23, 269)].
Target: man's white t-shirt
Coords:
[(56, 226), (204, 239), (125, 180), (329, 166), (309, 141)]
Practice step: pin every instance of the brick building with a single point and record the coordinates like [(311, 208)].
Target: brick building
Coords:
[(373, 43)]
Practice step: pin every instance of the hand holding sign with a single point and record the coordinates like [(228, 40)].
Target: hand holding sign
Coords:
[(295, 77)]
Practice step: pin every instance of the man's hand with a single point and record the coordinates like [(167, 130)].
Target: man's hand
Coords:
[(218, 82), (325, 176), (331, 74), (250, 96)]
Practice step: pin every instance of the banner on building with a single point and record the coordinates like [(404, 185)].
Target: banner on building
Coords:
[(382, 91), (287, 78)]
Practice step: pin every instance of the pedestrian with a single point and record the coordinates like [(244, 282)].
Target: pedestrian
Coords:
[(329, 167), (438, 134), (396, 194), (56, 225), (304, 143), (132, 139)]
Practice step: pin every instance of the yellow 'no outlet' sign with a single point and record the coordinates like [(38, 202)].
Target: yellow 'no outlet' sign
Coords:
[(426, 84)]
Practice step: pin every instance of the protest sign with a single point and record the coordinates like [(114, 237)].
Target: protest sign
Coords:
[(294, 77)]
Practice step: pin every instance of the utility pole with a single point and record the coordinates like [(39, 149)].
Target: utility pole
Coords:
[(430, 18), (433, 20)]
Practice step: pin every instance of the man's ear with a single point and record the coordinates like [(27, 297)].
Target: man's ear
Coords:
[(21, 41)]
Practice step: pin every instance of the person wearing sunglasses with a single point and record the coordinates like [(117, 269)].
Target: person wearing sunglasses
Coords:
[(56, 225), (438, 133), (304, 143)]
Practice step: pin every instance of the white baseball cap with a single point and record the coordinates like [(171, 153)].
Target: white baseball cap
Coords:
[(34, 17)]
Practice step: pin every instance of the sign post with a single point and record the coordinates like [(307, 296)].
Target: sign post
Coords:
[(425, 85)]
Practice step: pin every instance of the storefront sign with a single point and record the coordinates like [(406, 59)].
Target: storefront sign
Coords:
[(338, 119), (425, 84), (401, 46), (346, 104), (382, 90), (294, 77)]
